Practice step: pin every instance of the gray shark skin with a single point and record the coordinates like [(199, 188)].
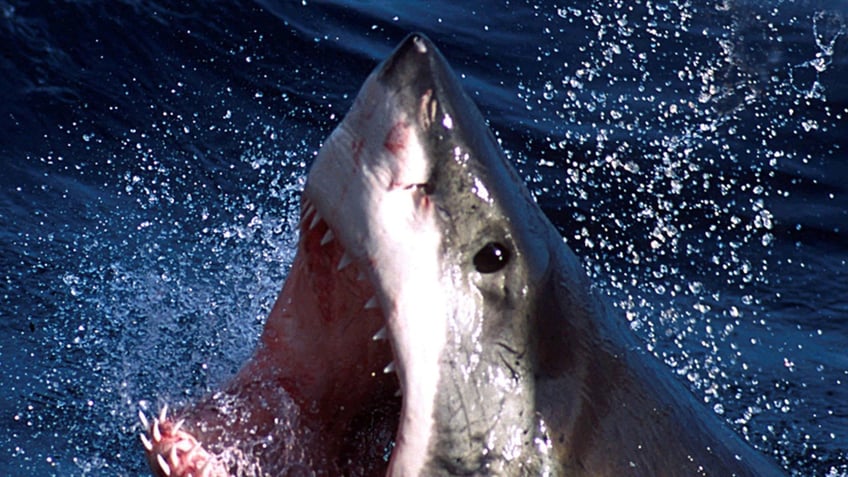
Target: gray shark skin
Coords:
[(434, 315)]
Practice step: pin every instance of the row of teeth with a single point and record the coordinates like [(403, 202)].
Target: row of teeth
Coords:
[(183, 446), (309, 210), (346, 260)]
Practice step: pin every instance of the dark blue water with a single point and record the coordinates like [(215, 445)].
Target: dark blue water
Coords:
[(695, 154)]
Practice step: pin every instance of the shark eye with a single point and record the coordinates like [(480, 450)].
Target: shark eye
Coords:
[(491, 258)]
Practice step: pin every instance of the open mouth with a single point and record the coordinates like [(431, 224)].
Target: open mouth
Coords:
[(346, 304), (326, 349), (345, 376), (361, 317)]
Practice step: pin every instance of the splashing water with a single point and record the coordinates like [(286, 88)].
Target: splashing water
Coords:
[(675, 138), (675, 145)]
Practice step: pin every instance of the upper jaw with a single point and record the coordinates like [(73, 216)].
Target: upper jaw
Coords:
[(369, 184), (404, 271)]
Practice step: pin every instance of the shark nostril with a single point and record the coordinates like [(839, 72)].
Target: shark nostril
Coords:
[(426, 187), (491, 258)]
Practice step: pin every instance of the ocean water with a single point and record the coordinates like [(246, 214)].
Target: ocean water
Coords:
[(694, 154)]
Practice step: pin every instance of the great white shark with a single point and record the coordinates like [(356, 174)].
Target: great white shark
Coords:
[(434, 323)]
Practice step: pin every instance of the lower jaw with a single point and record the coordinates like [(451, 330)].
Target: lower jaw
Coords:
[(282, 438), (314, 398)]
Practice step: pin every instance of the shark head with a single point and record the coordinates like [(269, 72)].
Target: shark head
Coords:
[(416, 191), (434, 323)]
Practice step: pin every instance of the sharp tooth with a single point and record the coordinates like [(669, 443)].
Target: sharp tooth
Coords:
[(360, 276), (163, 413), (328, 237), (164, 465), (372, 303), (390, 368), (380, 335), (173, 460), (143, 419), (206, 471), (399, 392), (177, 426), (315, 220), (345, 261), (157, 434), (193, 451), (146, 443)]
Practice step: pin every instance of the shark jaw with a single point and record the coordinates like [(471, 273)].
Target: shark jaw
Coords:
[(370, 183)]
